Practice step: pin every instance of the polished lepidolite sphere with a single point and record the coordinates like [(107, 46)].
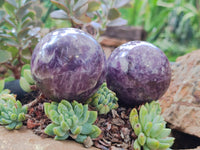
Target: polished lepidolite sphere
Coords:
[(138, 72), (68, 64)]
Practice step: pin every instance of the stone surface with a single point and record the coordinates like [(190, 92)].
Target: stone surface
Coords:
[(181, 102), (138, 72), (25, 139), (69, 64)]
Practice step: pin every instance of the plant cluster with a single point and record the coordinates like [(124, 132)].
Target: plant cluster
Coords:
[(18, 34), (150, 128), (26, 81), (103, 100), (12, 113), (71, 119), (96, 13)]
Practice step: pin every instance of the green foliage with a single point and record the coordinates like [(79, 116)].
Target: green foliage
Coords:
[(177, 26), (71, 119), (12, 113), (103, 100), (26, 79), (150, 128), (18, 34), (97, 13)]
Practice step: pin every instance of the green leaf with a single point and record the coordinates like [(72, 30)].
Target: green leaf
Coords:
[(79, 4), (117, 22), (21, 117), (78, 110), (18, 125), (58, 131), (104, 110), (9, 8), (11, 126), (152, 143), (49, 129), (5, 56), (65, 127), (87, 129), (23, 33), (26, 22), (2, 83), (13, 117), (147, 128), (113, 14), (28, 76), (143, 115), (96, 133), (59, 14), (93, 6), (156, 129), (64, 137), (12, 2), (136, 145), (22, 11), (54, 116), (92, 117), (76, 130), (80, 138), (24, 84), (67, 104), (5, 121), (141, 138), (137, 128), (168, 140), (61, 6)]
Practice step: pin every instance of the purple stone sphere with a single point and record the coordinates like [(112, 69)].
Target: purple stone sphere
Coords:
[(68, 64), (138, 72)]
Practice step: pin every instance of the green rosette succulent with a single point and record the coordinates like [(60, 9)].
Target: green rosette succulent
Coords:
[(103, 100), (71, 119), (150, 128), (12, 114), (26, 79)]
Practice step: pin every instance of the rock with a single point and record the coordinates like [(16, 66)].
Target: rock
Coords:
[(181, 103), (25, 139)]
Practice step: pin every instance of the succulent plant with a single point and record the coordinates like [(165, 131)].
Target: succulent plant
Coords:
[(97, 13), (71, 119), (150, 128), (12, 113), (103, 100), (18, 34), (26, 80)]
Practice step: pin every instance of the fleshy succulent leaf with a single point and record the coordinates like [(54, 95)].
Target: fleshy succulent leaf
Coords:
[(103, 100), (150, 128)]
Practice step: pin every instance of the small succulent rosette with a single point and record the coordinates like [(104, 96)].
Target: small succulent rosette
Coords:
[(150, 128), (103, 100), (26, 79), (71, 119), (12, 113)]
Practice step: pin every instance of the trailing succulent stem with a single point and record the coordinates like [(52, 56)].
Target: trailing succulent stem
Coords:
[(12, 114), (104, 100), (26, 81), (71, 119), (150, 128)]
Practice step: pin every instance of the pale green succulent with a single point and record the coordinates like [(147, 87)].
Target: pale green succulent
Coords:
[(150, 128), (12, 113), (26, 79), (71, 119), (103, 100)]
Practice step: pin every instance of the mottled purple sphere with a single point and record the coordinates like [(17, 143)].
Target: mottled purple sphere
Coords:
[(68, 64), (138, 72)]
